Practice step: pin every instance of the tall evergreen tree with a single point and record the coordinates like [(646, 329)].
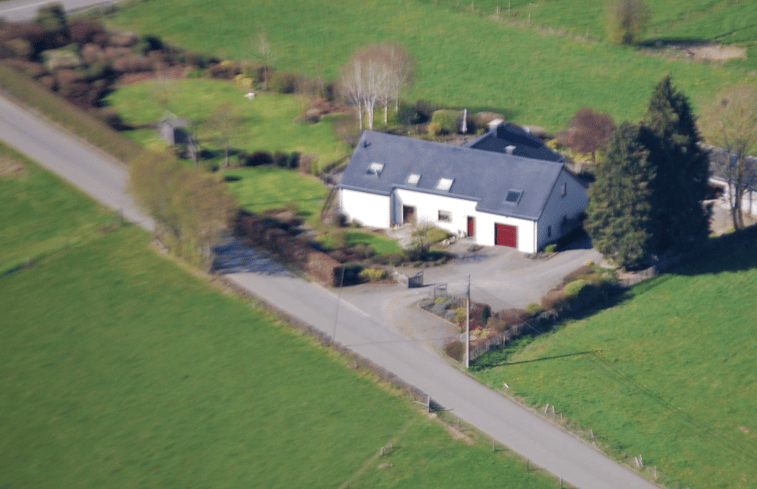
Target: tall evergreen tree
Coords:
[(619, 215), (679, 219)]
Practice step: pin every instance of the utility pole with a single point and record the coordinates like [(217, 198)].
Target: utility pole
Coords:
[(467, 326)]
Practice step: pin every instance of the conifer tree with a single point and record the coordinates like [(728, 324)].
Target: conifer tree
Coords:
[(619, 215), (681, 167)]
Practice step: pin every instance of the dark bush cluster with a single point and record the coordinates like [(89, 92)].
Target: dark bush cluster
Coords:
[(283, 81)]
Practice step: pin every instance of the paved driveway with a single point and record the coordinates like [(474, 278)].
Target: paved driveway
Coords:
[(502, 277)]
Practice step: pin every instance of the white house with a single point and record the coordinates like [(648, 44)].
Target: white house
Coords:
[(515, 193)]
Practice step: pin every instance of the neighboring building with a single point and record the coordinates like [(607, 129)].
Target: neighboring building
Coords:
[(173, 129), (508, 198)]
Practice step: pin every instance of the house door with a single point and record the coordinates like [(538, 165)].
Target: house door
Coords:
[(408, 214), (471, 226), (505, 235)]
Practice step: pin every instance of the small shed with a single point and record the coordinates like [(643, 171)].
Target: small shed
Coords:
[(174, 129)]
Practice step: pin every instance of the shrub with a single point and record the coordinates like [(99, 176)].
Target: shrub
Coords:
[(364, 251), (225, 70), (408, 115), (574, 288), (85, 31), (259, 158), (209, 166), (307, 162), (484, 118), (134, 63), (425, 110), (496, 324), (280, 159), (550, 248), (460, 315), (434, 235), (486, 313), (434, 129), (283, 81), (513, 316), (198, 60), (19, 48), (63, 58), (534, 309), (555, 300), (455, 350), (351, 273), (372, 274), (448, 120)]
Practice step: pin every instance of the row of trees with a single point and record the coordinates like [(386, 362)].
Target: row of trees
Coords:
[(189, 207), (375, 75), (649, 189)]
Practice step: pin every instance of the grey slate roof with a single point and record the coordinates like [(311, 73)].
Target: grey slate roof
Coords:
[(483, 176), (526, 144)]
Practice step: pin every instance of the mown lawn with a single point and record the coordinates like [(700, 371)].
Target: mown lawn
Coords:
[(120, 369), (462, 60), (265, 122), (260, 188), (382, 245), (670, 374)]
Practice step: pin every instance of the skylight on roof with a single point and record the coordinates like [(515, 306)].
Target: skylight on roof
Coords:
[(513, 196), (375, 169), (413, 179), (445, 184)]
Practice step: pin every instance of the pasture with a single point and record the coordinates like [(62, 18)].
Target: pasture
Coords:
[(121, 369), (462, 60), (264, 123), (668, 374)]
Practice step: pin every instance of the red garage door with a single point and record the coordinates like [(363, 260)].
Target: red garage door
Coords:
[(505, 235)]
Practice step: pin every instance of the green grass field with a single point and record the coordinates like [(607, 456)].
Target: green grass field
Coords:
[(260, 188), (120, 369), (668, 374), (266, 121), (461, 59), (697, 20)]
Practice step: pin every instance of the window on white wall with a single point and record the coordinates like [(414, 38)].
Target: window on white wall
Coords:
[(445, 216)]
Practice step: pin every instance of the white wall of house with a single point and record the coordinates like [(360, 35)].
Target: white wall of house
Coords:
[(428, 207), (568, 205), (486, 222), (748, 200), (368, 209)]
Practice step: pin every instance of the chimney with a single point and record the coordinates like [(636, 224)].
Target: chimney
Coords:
[(509, 149)]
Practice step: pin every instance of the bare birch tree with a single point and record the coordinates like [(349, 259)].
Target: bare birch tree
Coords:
[(264, 49), (730, 123), (375, 75)]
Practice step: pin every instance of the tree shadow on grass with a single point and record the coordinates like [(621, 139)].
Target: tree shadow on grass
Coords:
[(735, 252)]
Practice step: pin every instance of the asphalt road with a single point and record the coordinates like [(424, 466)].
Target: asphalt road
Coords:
[(21, 10), (546, 445)]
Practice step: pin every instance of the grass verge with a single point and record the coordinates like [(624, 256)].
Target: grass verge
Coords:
[(63, 113), (669, 374)]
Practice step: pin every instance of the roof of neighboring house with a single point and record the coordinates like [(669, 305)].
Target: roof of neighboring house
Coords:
[(523, 142), (173, 120), (383, 162)]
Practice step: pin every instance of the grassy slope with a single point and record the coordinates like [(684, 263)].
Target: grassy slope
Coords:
[(462, 60), (121, 370), (672, 377), (267, 119), (725, 20)]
